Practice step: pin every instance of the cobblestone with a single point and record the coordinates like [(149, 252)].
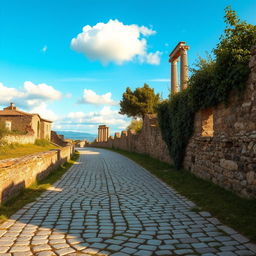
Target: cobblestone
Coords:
[(108, 205)]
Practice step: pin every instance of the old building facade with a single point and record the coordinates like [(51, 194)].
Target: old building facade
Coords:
[(25, 123)]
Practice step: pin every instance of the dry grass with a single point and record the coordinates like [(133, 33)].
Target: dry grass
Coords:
[(18, 150)]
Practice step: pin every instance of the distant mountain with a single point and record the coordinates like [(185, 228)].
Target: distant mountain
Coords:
[(78, 135)]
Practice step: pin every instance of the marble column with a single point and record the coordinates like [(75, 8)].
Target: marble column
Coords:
[(99, 134), (174, 77), (107, 133), (183, 69)]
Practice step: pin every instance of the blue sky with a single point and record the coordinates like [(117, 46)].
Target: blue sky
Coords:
[(79, 84)]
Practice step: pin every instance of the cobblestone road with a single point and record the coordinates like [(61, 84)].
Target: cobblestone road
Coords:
[(108, 205)]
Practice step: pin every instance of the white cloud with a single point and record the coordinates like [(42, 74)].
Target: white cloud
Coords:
[(44, 112), (114, 41), (76, 115), (146, 31), (42, 91), (32, 98), (153, 58), (7, 94), (44, 49), (90, 97), (106, 116)]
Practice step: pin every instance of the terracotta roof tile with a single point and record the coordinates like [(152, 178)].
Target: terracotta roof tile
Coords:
[(8, 112)]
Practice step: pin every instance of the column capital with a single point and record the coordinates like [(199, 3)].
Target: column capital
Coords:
[(174, 61)]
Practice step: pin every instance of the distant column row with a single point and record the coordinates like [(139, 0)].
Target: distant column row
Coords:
[(103, 133)]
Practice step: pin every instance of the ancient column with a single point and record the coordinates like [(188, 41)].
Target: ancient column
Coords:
[(103, 133), (99, 133), (174, 77), (108, 133), (183, 68)]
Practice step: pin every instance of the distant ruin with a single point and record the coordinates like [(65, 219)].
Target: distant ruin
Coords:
[(223, 146)]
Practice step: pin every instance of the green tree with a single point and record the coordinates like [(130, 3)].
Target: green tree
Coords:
[(139, 102), (136, 125)]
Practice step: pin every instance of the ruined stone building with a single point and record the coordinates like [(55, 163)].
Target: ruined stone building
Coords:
[(25, 123), (222, 148)]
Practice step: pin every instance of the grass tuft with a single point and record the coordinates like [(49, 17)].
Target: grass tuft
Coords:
[(18, 150)]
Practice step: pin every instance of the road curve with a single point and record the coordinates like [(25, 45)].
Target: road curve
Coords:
[(108, 205)]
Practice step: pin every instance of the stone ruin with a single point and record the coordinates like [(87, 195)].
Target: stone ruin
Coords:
[(222, 148)]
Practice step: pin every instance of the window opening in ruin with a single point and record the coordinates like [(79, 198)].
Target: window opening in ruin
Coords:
[(207, 122), (8, 125), (38, 130)]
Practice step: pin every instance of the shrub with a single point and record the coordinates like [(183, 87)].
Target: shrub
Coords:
[(210, 84), (136, 125), (42, 142)]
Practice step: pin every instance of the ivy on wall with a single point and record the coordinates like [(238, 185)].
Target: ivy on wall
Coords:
[(210, 84)]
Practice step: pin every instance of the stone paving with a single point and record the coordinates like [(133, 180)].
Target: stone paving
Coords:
[(108, 205)]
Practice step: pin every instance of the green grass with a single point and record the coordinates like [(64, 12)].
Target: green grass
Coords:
[(19, 150), (230, 209), (30, 194)]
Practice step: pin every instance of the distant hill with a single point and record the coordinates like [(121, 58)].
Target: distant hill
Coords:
[(78, 135)]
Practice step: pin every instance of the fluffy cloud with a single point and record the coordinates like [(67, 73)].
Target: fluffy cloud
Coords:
[(44, 112), (33, 98), (90, 97), (106, 116), (114, 41), (146, 31), (153, 58), (41, 91), (7, 94)]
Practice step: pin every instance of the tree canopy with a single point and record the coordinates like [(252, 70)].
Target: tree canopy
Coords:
[(136, 125), (139, 102)]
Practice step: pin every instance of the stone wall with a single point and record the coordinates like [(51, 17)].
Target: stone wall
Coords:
[(45, 130), (149, 141), (20, 139), (222, 148), (18, 173), (19, 123), (58, 139)]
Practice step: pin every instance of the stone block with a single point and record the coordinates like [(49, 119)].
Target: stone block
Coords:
[(228, 164), (250, 176)]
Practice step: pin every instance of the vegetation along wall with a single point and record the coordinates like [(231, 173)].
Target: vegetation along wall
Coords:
[(222, 147), (210, 127)]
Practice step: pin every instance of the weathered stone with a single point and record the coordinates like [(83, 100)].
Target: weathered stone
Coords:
[(228, 164), (250, 176)]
